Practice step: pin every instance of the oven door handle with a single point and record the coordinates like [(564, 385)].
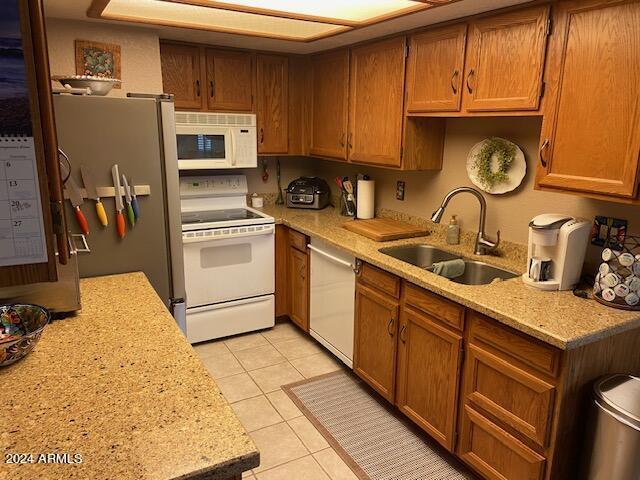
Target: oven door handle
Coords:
[(330, 257), (211, 238)]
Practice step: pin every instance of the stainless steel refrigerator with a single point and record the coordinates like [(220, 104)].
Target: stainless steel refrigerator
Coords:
[(138, 134)]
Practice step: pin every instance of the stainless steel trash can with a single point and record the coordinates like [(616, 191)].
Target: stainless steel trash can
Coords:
[(613, 443)]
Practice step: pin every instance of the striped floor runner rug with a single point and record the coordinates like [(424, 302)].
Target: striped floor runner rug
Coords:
[(376, 443)]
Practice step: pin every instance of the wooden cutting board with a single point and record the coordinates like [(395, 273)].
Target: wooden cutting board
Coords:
[(385, 229)]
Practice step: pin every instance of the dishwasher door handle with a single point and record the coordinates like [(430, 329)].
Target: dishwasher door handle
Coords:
[(331, 257)]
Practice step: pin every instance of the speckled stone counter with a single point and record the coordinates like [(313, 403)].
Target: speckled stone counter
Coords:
[(558, 318), (119, 385)]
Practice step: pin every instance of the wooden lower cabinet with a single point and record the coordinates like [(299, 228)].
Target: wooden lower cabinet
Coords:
[(376, 327), (298, 287), (518, 400), (282, 254), (508, 405), (428, 369), (494, 453)]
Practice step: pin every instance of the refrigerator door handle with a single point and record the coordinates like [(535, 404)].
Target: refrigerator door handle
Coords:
[(178, 308)]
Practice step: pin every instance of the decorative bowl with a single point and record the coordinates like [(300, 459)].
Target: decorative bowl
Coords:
[(98, 85), (20, 330)]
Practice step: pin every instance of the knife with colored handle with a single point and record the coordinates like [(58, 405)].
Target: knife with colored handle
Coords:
[(134, 203), (120, 228), (127, 198), (75, 196), (92, 193)]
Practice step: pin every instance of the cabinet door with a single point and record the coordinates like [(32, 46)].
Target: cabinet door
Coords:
[(272, 103), (298, 280), (505, 61), (494, 453), (375, 102), (282, 254), (229, 80), (435, 68), (591, 129), (428, 371), (182, 75), (329, 104), (376, 326), (511, 397)]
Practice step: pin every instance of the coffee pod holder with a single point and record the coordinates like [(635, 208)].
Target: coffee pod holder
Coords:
[(617, 283)]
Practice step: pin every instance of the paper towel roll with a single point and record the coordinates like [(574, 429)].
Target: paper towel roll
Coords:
[(366, 199)]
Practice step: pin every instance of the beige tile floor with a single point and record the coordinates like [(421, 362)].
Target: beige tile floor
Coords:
[(250, 371)]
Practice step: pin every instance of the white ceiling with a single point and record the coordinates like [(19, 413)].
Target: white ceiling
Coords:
[(76, 9)]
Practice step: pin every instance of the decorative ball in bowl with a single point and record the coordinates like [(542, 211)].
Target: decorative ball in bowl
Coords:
[(20, 330), (98, 85)]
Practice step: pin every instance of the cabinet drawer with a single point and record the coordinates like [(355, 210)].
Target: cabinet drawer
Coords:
[(510, 396), (380, 280), (441, 308), (298, 240), (523, 349), (494, 453)]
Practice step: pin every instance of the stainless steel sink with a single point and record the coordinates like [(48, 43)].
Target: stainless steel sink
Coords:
[(479, 273), (422, 256)]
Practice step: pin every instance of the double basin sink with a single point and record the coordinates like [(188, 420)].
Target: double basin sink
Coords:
[(424, 256)]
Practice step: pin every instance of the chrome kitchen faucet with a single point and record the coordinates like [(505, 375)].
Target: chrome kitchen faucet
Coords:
[(483, 244)]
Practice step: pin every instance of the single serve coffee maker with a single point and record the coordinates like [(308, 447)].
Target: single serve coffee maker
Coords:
[(557, 246)]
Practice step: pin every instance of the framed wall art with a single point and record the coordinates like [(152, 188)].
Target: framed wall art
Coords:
[(98, 59)]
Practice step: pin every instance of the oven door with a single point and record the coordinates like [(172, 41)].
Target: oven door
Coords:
[(204, 147), (227, 264)]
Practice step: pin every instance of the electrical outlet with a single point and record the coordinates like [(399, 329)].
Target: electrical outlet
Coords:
[(400, 190)]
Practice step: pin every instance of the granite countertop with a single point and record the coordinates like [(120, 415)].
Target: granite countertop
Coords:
[(119, 385), (557, 318)]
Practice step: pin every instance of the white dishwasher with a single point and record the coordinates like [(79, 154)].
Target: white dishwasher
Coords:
[(332, 286)]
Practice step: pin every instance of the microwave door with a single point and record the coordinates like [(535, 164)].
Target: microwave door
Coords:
[(203, 147)]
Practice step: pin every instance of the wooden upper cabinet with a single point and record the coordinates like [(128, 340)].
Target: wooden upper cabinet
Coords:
[(376, 327), (435, 69), (272, 103), (182, 75), (376, 102), (591, 130), (428, 369), (329, 104), (229, 80), (505, 61)]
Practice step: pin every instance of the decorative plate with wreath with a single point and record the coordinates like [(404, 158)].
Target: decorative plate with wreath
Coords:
[(496, 165)]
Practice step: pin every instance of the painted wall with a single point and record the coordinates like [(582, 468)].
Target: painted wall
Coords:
[(139, 51), (509, 212)]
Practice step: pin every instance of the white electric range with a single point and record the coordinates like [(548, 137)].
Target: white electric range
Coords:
[(229, 258)]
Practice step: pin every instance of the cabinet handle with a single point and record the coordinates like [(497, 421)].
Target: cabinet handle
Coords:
[(262, 135), (544, 146), (350, 139), (453, 85), (389, 325), (212, 87), (402, 330), (471, 73), (342, 137), (197, 88)]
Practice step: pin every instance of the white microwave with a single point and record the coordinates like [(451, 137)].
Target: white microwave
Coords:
[(208, 141)]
